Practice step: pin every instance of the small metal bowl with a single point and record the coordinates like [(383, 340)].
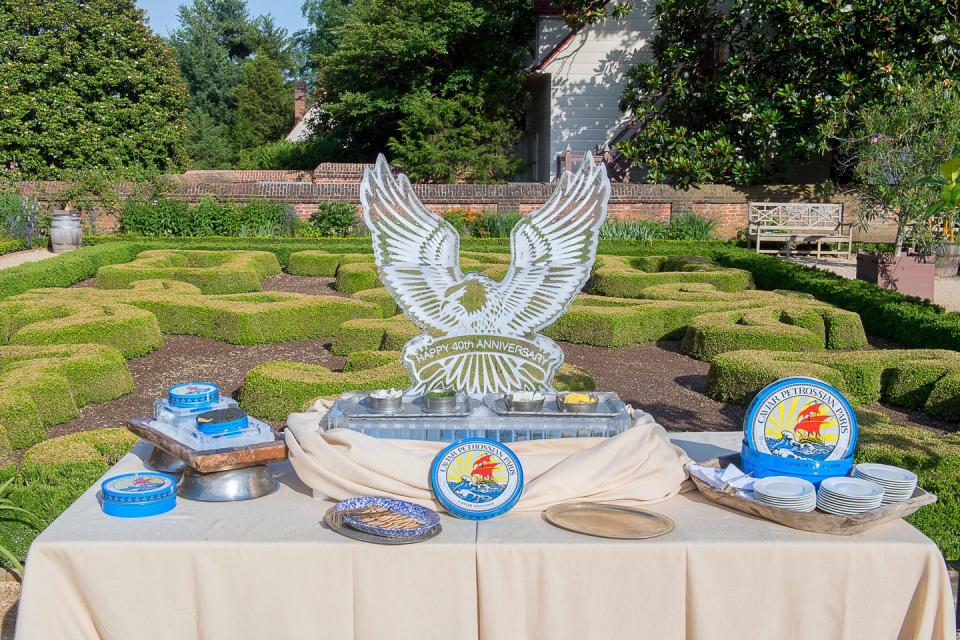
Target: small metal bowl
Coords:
[(578, 407), (444, 404), (527, 406), (385, 405)]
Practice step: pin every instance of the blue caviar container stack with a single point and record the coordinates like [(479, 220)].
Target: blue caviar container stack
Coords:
[(139, 494), (800, 427)]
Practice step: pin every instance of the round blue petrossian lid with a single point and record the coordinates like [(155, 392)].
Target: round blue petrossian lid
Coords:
[(477, 478), (134, 495), (801, 427), (222, 421), (193, 394)]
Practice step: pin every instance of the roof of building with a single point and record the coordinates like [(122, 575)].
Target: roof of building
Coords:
[(303, 129)]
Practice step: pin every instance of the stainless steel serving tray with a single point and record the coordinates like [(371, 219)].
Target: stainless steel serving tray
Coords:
[(609, 406), (359, 407)]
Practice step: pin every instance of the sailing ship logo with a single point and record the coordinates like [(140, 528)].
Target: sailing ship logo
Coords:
[(477, 478), (801, 418)]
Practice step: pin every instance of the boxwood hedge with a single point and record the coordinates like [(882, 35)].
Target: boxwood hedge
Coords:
[(42, 386), (53, 320), (925, 379), (627, 277), (211, 271), (239, 318)]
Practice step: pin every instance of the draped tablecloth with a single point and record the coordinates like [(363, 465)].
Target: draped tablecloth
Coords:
[(267, 569)]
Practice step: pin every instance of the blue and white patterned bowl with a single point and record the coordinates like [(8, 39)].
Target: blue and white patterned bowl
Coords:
[(428, 517)]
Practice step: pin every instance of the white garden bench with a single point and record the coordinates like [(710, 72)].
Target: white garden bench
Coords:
[(796, 223)]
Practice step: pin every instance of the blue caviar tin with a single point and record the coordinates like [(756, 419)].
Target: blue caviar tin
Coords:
[(477, 478), (801, 427), (139, 494), (193, 395), (222, 422)]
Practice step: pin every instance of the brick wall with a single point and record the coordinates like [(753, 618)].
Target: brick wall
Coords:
[(630, 201)]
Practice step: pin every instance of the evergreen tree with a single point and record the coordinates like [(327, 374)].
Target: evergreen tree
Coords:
[(207, 143), (395, 60), (86, 85), (264, 104)]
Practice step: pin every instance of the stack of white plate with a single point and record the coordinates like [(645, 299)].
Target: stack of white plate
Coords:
[(898, 484), (786, 492), (847, 496)]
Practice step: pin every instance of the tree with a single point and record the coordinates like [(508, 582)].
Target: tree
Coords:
[(207, 143), (86, 85), (448, 139), (394, 55), (739, 90), (895, 149), (264, 104), (321, 37)]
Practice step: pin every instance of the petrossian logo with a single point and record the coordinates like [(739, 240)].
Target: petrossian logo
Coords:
[(139, 483), (477, 478), (801, 418)]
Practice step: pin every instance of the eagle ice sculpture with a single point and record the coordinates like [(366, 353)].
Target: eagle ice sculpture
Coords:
[(480, 335)]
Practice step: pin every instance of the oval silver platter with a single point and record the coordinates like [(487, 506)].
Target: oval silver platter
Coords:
[(608, 521), (350, 532)]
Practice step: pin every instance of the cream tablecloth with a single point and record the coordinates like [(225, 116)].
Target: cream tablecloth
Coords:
[(266, 569)]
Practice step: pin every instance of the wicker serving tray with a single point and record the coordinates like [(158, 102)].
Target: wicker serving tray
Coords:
[(815, 521)]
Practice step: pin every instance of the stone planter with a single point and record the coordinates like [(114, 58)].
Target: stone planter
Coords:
[(909, 274), (948, 259)]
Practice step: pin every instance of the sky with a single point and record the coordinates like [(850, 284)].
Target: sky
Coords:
[(163, 13)]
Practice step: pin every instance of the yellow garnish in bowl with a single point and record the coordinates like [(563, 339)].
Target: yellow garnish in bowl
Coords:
[(578, 398)]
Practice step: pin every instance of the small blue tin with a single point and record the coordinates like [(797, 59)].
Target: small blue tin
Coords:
[(193, 395), (477, 478), (139, 494), (222, 422)]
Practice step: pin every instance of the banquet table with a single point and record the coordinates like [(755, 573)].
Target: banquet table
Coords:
[(268, 568)]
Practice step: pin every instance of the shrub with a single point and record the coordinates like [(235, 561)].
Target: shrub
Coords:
[(635, 230), (248, 318), (628, 277), (274, 389), (46, 385), (321, 263), (356, 276), (161, 217), (51, 320), (787, 327), (334, 219), (289, 155), (389, 334), (926, 379), (211, 271), (63, 270), (690, 226)]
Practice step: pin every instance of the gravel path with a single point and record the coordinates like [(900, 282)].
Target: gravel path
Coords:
[(946, 291), (22, 257)]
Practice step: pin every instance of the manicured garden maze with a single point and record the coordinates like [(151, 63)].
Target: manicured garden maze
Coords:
[(210, 271)]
